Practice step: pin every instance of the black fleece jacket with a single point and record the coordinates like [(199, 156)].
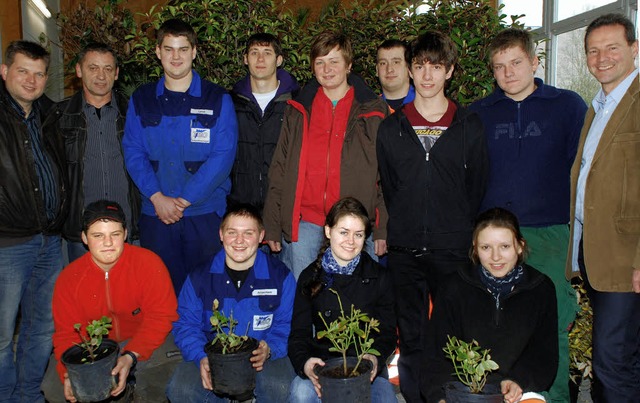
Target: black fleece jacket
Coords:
[(432, 199), (368, 288), (522, 334)]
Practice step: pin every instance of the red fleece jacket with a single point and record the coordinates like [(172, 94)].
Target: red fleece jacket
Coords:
[(137, 294), (327, 130)]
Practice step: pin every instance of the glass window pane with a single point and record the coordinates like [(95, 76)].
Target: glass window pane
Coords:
[(532, 9), (569, 8), (571, 66), (542, 56)]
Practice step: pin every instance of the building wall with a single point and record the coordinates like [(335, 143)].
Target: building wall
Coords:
[(10, 23)]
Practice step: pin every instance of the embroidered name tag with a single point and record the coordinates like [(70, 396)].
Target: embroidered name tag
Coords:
[(266, 291), (262, 322), (200, 135), (202, 111)]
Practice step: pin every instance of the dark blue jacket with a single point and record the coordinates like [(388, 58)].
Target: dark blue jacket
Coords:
[(258, 136), (264, 302), (532, 145), (182, 148)]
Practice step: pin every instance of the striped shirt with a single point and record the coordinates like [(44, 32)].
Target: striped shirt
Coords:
[(104, 171)]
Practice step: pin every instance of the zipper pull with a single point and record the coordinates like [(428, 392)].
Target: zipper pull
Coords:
[(427, 156), (106, 275)]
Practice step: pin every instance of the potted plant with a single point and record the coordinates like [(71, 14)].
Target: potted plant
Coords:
[(89, 363), (472, 365), (347, 379), (232, 373)]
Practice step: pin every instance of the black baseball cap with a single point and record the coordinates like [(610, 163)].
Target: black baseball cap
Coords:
[(103, 209)]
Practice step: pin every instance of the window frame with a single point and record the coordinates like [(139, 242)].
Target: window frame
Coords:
[(551, 29)]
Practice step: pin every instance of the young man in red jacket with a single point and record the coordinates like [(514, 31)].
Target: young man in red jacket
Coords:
[(130, 285)]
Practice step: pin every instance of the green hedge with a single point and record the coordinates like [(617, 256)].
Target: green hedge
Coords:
[(224, 25)]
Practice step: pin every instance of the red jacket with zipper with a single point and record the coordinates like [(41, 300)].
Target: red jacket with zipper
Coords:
[(136, 293), (358, 163)]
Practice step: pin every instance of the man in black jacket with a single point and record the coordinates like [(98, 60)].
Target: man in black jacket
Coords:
[(260, 99), (433, 165), (32, 209), (92, 125)]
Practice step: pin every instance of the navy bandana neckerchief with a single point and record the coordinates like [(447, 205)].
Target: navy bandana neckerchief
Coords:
[(331, 266), (500, 287)]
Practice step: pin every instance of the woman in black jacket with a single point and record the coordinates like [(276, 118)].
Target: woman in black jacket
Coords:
[(505, 305), (358, 280)]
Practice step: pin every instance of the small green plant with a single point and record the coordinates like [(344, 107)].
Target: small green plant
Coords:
[(353, 331), (471, 363), (229, 341), (96, 330)]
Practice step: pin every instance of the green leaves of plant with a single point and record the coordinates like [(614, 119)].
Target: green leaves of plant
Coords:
[(349, 331), (471, 363), (229, 341), (96, 330)]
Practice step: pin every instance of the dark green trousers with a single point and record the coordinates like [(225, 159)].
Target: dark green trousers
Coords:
[(548, 253)]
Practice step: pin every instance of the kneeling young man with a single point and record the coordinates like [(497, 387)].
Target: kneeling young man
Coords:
[(258, 289), (130, 285)]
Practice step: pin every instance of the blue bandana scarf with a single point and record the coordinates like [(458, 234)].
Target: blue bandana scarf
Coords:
[(331, 266), (500, 287)]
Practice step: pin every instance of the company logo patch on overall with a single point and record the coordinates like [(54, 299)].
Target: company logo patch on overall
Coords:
[(262, 322), (200, 135)]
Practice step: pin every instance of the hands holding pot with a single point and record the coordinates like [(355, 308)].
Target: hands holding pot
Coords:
[(205, 373), (260, 355), (374, 361), (68, 392), (512, 391), (308, 371), (122, 369)]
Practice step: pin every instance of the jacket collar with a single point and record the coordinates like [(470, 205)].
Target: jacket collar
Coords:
[(76, 102), (287, 85), (542, 91), (531, 277), (260, 266), (411, 95), (362, 93), (195, 88)]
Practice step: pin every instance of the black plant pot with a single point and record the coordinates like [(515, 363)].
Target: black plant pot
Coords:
[(232, 375), (457, 392), (338, 389), (92, 381)]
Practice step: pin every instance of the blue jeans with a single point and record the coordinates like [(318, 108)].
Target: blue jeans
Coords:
[(298, 255), (28, 273), (75, 250), (272, 383), (302, 391)]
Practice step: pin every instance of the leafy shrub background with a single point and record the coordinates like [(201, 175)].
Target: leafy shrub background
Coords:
[(223, 27)]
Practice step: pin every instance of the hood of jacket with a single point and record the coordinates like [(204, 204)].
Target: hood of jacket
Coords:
[(287, 84)]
